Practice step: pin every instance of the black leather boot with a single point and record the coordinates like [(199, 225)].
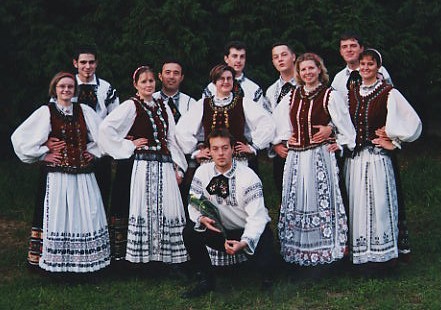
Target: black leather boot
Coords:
[(205, 284)]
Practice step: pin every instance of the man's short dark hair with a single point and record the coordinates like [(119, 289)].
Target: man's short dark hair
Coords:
[(351, 35), (239, 45), (220, 133), (85, 49), (282, 43), (171, 60)]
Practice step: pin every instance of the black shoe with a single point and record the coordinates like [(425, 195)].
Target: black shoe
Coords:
[(267, 285), (178, 272), (202, 287)]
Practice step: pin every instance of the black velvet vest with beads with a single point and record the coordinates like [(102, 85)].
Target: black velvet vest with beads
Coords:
[(368, 113), (153, 126), (71, 129), (230, 116)]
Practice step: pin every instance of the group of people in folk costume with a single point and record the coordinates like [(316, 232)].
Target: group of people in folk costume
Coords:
[(333, 151)]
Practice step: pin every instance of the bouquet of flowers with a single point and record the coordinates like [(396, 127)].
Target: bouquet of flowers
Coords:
[(209, 210)]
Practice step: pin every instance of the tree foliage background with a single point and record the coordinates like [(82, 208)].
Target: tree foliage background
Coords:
[(38, 38)]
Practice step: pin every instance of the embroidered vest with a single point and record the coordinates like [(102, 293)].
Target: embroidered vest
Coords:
[(307, 111), (231, 116), (368, 113), (73, 131), (151, 123), (87, 95)]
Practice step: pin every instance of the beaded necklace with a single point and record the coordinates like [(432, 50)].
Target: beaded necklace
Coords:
[(304, 94), (369, 87), (221, 111), (154, 113)]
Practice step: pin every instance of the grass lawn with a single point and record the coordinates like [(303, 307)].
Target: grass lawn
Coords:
[(416, 285)]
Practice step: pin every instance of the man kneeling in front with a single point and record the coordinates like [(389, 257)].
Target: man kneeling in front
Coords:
[(242, 221)]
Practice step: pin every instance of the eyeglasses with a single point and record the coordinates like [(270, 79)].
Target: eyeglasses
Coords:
[(63, 86)]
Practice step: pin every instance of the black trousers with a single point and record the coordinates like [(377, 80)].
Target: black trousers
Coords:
[(195, 242), (37, 220), (253, 163), (119, 208), (278, 167), (341, 180), (103, 174), (184, 187), (403, 232)]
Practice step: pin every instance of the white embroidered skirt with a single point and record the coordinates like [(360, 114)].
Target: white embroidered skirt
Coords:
[(156, 215), (373, 207), (312, 224), (75, 235)]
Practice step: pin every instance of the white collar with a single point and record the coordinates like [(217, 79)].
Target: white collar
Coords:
[(63, 109), (92, 82), (164, 96), (282, 81), (223, 101), (241, 78), (349, 70), (230, 172), (368, 88), (150, 103)]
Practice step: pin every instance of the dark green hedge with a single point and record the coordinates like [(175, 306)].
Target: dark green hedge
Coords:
[(38, 38)]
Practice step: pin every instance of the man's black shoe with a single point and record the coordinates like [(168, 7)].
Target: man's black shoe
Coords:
[(178, 271), (267, 285), (202, 287)]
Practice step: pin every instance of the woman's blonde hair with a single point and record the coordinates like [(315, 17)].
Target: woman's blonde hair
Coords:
[(323, 76)]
